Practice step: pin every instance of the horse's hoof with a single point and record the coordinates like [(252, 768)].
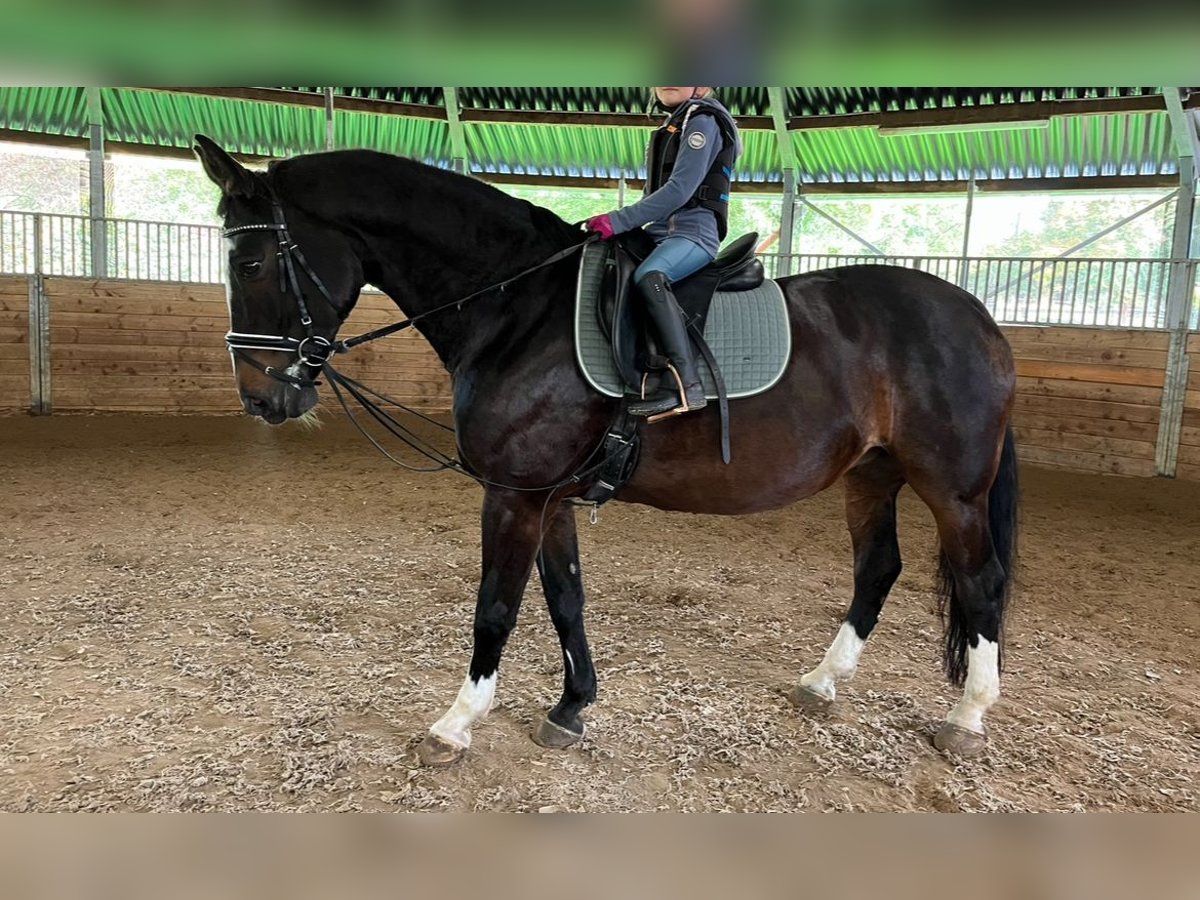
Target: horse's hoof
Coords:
[(807, 700), (555, 737), (437, 754), (959, 741)]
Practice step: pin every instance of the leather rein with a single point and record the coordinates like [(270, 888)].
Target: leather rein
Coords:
[(313, 351)]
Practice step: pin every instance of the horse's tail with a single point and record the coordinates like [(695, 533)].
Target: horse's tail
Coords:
[(1003, 500)]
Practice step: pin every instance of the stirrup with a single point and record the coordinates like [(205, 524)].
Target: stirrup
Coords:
[(683, 403)]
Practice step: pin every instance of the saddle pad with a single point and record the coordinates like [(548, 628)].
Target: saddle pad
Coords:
[(748, 331)]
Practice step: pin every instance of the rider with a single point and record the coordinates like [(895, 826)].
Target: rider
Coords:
[(689, 164)]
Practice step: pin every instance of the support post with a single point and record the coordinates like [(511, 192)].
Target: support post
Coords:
[(787, 161), (458, 138), (787, 224), (1179, 289), (330, 121), (966, 248), (39, 338), (97, 201), (621, 186)]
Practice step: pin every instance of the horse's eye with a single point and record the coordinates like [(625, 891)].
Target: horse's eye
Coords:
[(249, 268)]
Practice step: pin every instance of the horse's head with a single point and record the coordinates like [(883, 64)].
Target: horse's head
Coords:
[(292, 279)]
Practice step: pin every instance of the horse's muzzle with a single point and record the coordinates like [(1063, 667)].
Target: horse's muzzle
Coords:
[(286, 403)]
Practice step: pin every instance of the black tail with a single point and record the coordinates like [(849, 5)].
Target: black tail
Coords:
[(1003, 500)]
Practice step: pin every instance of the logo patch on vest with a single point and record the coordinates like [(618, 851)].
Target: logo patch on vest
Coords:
[(697, 140)]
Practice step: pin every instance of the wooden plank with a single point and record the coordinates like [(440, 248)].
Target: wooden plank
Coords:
[(1187, 472), (1085, 462), (58, 287), (216, 326), (1191, 400), (1055, 440), (1190, 435), (1065, 335), (1094, 409), (1100, 356), (125, 307), (1193, 381), (1061, 424), (1193, 342), (1084, 390), (1036, 368)]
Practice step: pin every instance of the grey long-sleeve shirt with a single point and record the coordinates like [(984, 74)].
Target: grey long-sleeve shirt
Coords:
[(660, 212)]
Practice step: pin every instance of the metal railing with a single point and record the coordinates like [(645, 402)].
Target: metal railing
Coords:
[(1129, 293), (55, 244)]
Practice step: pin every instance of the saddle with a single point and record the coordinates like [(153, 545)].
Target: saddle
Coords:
[(620, 316)]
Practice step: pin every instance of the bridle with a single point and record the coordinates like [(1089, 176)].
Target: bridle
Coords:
[(315, 351), (312, 350)]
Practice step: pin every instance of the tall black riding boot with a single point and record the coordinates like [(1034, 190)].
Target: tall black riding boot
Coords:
[(672, 333)]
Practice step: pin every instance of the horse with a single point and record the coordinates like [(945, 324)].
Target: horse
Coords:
[(896, 377)]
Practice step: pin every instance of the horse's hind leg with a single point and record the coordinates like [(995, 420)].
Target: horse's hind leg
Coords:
[(871, 490), (973, 587), (562, 582)]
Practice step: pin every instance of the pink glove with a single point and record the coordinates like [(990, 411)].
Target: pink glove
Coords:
[(601, 225)]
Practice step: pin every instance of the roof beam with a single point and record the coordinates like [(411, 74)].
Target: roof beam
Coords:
[(307, 98), (913, 118), (998, 113), (998, 185)]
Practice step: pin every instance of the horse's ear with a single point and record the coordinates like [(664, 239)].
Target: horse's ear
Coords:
[(226, 172)]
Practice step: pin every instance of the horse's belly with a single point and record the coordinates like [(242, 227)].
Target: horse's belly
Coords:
[(767, 471)]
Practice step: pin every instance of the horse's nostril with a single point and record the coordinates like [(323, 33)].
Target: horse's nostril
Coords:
[(255, 406)]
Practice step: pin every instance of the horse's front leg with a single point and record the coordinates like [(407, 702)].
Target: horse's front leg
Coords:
[(562, 582), (511, 524)]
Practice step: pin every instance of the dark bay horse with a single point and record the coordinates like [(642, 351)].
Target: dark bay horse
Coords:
[(897, 377)]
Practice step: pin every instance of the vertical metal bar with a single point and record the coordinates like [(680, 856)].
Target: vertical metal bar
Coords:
[(621, 186), (966, 248), (458, 138), (1181, 284), (330, 121), (787, 222), (777, 101), (39, 347), (96, 198)]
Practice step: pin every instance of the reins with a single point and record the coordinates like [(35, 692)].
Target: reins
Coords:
[(316, 352)]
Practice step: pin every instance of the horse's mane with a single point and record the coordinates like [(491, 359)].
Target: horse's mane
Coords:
[(376, 172)]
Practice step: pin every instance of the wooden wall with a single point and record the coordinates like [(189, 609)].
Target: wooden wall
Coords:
[(1088, 398), (14, 344), (156, 347), (1189, 440)]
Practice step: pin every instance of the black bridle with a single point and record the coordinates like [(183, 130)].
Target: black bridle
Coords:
[(314, 351)]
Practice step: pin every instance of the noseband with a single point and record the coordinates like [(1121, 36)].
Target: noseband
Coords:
[(312, 350)]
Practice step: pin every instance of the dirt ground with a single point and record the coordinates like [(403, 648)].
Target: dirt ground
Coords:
[(206, 613)]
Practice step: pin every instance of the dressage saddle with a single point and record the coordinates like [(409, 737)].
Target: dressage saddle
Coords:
[(620, 313)]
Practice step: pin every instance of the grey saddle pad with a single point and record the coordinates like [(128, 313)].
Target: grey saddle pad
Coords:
[(748, 332)]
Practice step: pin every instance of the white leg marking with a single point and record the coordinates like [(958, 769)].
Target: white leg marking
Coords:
[(472, 704), (570, 662), (841, 659), (982, 687)]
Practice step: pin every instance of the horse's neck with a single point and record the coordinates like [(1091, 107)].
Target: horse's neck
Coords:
[(434, 262)]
